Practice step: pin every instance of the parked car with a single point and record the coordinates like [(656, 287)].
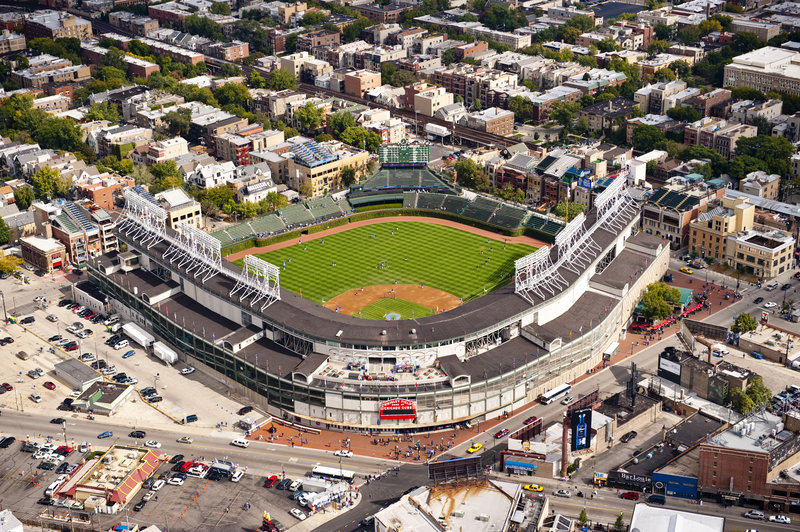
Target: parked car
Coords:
[(49, 385), (52, 317), (628, 436), (245, 410), (501, 433), (755, 514), (630, 495), (562, 493), (759, 300), (271, 481), (175, 481), (186, 371), (35, 397), (137, 434), (158, 484), (139, 505), (106, 434), (296, 512), (129, 354)]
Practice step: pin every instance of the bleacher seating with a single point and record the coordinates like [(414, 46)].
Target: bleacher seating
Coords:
[(240, 232), (508, 216), (455, 204), (295, 215), (552, 228), (536, 222), (409, 200), (267, 225), (431, 202), (223, 237), (323, 208), (480, 209)]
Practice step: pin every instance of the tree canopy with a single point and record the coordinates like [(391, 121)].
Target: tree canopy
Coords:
[(568, 211), (23, 197), (281, 80), (744, 322), (469, 174), (310, 117), (48, 184), (659, 301)]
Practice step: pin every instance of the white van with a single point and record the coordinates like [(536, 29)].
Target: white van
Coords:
[(237, 475), (294, 486), (114, 318), (771, 286), (119, 345), (240, 442), (55, 485)]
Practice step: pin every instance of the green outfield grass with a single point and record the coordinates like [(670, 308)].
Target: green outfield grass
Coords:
[(406, 310), (446, 258)]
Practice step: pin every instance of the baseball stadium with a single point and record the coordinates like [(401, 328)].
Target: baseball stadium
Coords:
[(402, 304)]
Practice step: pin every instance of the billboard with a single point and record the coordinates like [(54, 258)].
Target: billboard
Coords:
[(581, 423), (669, 369), (456, 470), (585, 182), (398, 409)]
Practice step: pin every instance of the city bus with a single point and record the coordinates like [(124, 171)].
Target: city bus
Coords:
[(333, 473), (555, 393)]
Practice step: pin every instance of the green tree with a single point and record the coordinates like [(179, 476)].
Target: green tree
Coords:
[(256, 80), (741, 165), (276, 201), (762, 124), (44, 183), (709, 26), (470, 175), (665, 74), (281, 79), (115, 58), (218, 196), (348, 176), (141, 175), (681, 68), (663, 32), (341, 121), (5, 233), (122, 167), (726, 22), (741, 401), (521, 107), (137, 47), (747, 93), (360, 137), (449, 56), (574, 209), (719, 164), (313, 18), (10, 263), (583, 518), (659, 301), (352, 32), (776, 152), (178, 121), (658, 46), (221, 8), (305, 189), (403, 78), (310, 117), (645, 137), (745, 41), (689, 35), (166, 176), (233, 94), (757, 392), (504, 18), (564, 112), (619, 524), (204, 27), (103, 111), (23, 197), (684, 114), (608, 45), (743, 323)]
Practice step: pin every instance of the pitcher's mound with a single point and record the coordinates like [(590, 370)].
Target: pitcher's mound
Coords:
[(393, 302)]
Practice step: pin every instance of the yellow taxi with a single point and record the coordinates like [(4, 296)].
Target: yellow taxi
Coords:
[(686, 270), (532, 487), (475, 448)]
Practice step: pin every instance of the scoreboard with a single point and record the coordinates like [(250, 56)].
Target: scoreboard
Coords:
[(404, 154)]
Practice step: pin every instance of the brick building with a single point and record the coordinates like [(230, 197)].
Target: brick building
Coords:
[(308, 42), (56, 25)]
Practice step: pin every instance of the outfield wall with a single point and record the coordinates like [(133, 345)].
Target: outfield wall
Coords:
[(384, 213)]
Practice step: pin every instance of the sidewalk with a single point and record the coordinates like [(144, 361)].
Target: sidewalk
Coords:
[(387, 446), (313, 522)]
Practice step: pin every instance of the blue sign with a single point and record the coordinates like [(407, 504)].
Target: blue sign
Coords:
[(581, 429), (585, 182)]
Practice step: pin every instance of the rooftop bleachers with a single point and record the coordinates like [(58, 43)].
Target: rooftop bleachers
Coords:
[(508, 216), (409, 200), (536, 222), (267, 225), (223, 237), (431, 202), (240, 231), (455, 204), (294, 215)]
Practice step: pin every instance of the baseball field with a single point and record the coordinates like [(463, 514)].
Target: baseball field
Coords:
[(396, 270)]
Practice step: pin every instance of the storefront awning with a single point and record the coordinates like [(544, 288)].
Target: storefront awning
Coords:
[(521, 465)]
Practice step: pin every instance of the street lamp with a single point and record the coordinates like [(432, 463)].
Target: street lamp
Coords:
[(5, 315)]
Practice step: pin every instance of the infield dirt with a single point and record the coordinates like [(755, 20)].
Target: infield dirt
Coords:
[(352, 301)]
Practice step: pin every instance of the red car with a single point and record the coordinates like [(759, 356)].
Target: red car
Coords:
[(187, 466), (49, 385), (797, 275), (271, 481), (7, 386), (530, 420), (502, 433), (71, 347), (66, 449), (630, 495), (90, 315)]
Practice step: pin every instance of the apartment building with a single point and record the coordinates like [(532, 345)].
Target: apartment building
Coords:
[(492, 120), (46, 254), (84, 229), (658, 98), (359, 82), (745, 111), (233, 51), (428, 99), (473, 82), (11, 42), (383, 14), (101, 192), (60, 71), (543, 102), (713, 103), (608, 115), (728, 234), (132, 23), (96, 54), (56, 25), (763, 30), (308, 42), (669, 212), (52, 104), (120, 140), (718, 134), (405, 38), (166, 150), (294, 62), (761, 184), (181, 208), (374, 58), (320, 165), (469, 49), (662, 122), (765, 69)]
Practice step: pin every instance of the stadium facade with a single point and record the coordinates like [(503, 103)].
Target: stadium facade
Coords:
[(308, 364)]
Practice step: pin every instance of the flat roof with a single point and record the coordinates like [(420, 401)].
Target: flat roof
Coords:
[(685, 465), (620, 405), (753, 433), (624, 269), (77, 370), (659, 519)]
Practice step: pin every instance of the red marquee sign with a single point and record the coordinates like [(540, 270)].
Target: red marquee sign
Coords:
[(398, 409)]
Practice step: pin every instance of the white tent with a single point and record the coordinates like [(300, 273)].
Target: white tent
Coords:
[(138, 335), (165, 353)]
